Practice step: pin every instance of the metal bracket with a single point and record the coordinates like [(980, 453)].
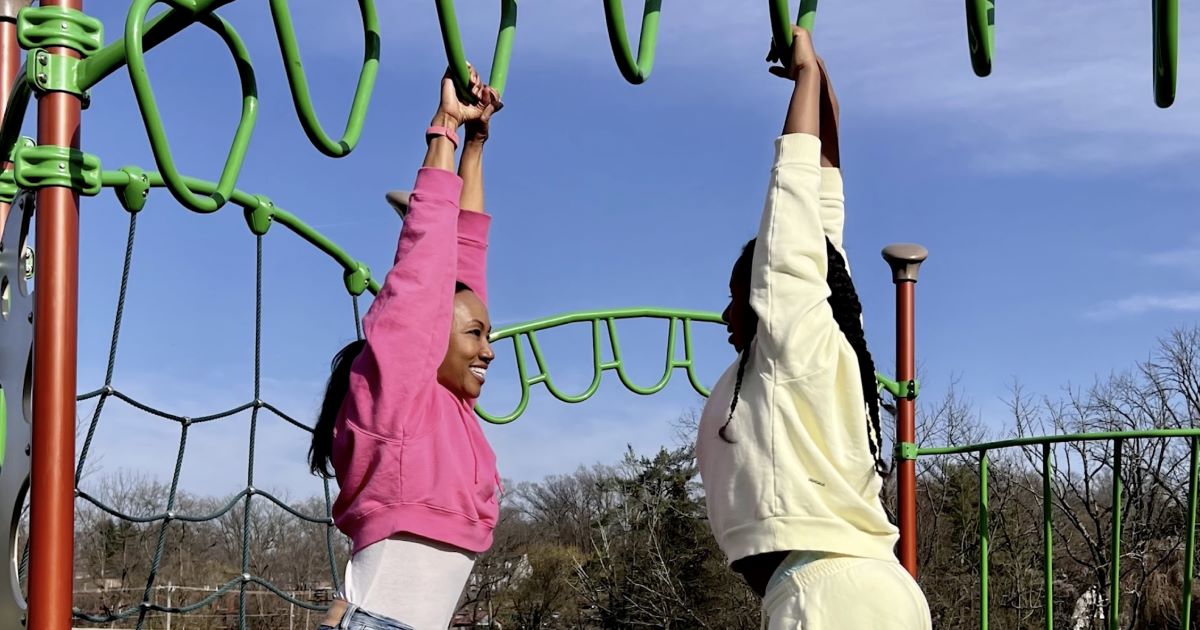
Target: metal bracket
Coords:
[(260, 218), (55, 73), (16, 347), (906, 451), (901, 390), (133, 195), (42, 166), (358, 280), (41, 27)]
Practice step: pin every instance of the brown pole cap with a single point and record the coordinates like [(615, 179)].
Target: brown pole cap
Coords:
[(9, 8), (905, 260), (399, 201)]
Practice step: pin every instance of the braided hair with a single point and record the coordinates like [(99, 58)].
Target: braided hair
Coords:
[(847, 312)]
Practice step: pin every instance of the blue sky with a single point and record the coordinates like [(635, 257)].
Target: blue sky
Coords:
[(1053, 196)]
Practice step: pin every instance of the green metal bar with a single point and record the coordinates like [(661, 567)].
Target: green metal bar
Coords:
[(1056, 439), (620, 363), (781, 25), (1114, 595), (110, 58), (156, 133), (1165, 18), (691, 364), (1189, 554), (981, 23), (115, 179), (1048, 534), (635, 71), (983, 539), (609, 317), (452, 39), (597, 370), (298, 83)]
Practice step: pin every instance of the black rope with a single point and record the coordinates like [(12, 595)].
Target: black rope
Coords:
[(144, 608), (112, 348)]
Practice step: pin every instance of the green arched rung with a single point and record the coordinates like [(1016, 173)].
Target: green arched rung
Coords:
[(298, 83), (454, 48), (140, 79), (637, 70), (1165, 16), (781, 25), (675, 318), (118, 179), (981, 23)]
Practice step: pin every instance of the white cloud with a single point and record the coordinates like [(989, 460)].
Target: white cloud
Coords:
[(1147, 303)]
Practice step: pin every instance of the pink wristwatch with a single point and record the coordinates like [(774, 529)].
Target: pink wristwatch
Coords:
[(447, 132)]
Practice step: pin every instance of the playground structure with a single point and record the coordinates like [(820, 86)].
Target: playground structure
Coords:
[(66, 55)]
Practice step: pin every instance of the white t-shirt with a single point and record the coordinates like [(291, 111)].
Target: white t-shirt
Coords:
[(413, 580)]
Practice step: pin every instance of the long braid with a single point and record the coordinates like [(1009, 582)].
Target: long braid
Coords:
[(847, 311), (737, 388)]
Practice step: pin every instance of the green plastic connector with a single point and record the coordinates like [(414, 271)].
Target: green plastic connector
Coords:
[(260, 217), (41, 27), (133, 195), (905, 390), (53, 73), (8, 186), (8, 177), (906, 451), (48, 165), (358, 279)]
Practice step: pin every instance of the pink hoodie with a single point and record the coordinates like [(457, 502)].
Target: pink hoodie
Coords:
[(410, 456)]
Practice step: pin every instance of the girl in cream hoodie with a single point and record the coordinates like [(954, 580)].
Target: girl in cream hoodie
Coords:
[(789, 445)]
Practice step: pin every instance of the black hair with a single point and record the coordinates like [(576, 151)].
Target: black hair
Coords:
[(847, 312), (320, 452)]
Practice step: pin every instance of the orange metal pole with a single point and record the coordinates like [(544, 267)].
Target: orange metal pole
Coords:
[(56, 304), (10, 64), (905, 260)]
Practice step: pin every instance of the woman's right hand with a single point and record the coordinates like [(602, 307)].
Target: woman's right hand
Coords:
[(452, 112), (804, 57)]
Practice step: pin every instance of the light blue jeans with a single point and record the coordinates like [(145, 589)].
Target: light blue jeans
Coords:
[(356, 618)]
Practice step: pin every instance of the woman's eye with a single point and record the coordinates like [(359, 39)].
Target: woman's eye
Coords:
[(475, 332)]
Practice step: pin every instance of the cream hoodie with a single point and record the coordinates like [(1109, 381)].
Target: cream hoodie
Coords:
[(799, 475)]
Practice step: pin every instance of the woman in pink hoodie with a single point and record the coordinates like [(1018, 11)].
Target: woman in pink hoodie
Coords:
[(418, 482)]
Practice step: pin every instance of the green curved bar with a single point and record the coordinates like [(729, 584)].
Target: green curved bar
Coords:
[(298, 83), (620, 364), (981, 22), (250, 203), (609, 317), (635, 71), (544, 372), (781, 25), (1165, 15), (140, 79), (457, 59)]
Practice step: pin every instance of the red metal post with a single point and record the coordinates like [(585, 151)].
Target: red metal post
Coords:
[(56, 304), (10, 64), (905, 260)]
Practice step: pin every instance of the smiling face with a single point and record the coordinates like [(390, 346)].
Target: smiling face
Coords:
[(464, 368)]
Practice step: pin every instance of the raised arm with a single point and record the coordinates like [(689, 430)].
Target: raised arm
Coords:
[(833, 200), (473, 224), (788, 288), (408, 325)]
